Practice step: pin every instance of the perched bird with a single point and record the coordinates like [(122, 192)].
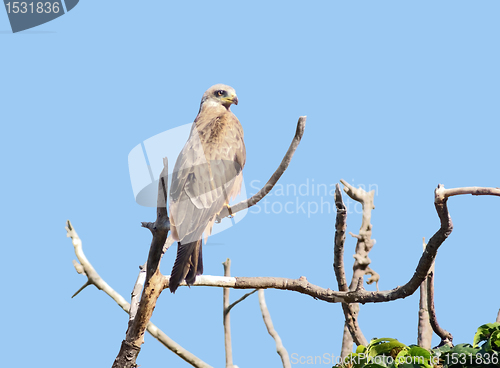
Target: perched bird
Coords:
[(207, 174)]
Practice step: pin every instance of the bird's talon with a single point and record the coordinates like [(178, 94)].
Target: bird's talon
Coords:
[(229, 211)]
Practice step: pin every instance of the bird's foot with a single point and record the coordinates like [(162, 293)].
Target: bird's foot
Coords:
[(229, 210)]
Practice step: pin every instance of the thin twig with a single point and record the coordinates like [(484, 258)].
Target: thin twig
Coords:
[(266, 316), (498, 317), (227, 211), (226, 317), (79, 290), (86, 268), (446, 337), (374, 277), (239, 300)]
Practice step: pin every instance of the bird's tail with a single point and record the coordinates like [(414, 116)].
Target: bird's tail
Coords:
[(188, 264)]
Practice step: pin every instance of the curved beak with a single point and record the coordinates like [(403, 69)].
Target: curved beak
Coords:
[(232, 99)]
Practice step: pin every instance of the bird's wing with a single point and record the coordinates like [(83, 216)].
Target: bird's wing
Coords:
[(205, 174)]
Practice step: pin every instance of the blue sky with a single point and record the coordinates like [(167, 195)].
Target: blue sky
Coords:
[(400, 96)]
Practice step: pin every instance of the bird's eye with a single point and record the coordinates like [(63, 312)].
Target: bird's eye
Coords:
[(220, 93)]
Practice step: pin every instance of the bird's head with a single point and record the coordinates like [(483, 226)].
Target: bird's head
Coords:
[(220, 94)]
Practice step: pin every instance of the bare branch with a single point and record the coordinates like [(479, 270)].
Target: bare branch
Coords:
[(97, 281), (498, 317), (227, 211), (347, 342), (280, 349), (136, 292), (476, 191), (359, 286), (176, 348), (134, 338), (338, 250), (338, 265), (161, 226), (226, 317), (446, 337), (239, 300), (352, 324), (424, 334), (360, 267), (86, 268), (301, 285), (365, 243)]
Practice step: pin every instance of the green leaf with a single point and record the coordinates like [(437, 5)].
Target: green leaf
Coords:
[(441, 350), (385, 348), (419, 357), (413, 365), (486, 348), (484, 332), (495, 340), (379, 341), (374, 365), (390, 353), (401, 355), (464, 349), (418, 351), (355, 360), (360, 349), (350, 356), (380, 360)]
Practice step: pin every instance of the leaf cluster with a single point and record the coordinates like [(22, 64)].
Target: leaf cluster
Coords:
[(390, 353)]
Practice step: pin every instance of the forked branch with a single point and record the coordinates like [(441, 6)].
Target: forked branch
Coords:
[(360, 267), (134, 338), (86, 268), (160, 228), (360, 295)]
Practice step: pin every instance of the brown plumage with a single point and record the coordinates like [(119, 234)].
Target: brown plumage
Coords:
[(206, 176)]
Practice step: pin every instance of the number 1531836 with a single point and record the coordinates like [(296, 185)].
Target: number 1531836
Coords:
[(32, 7)]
